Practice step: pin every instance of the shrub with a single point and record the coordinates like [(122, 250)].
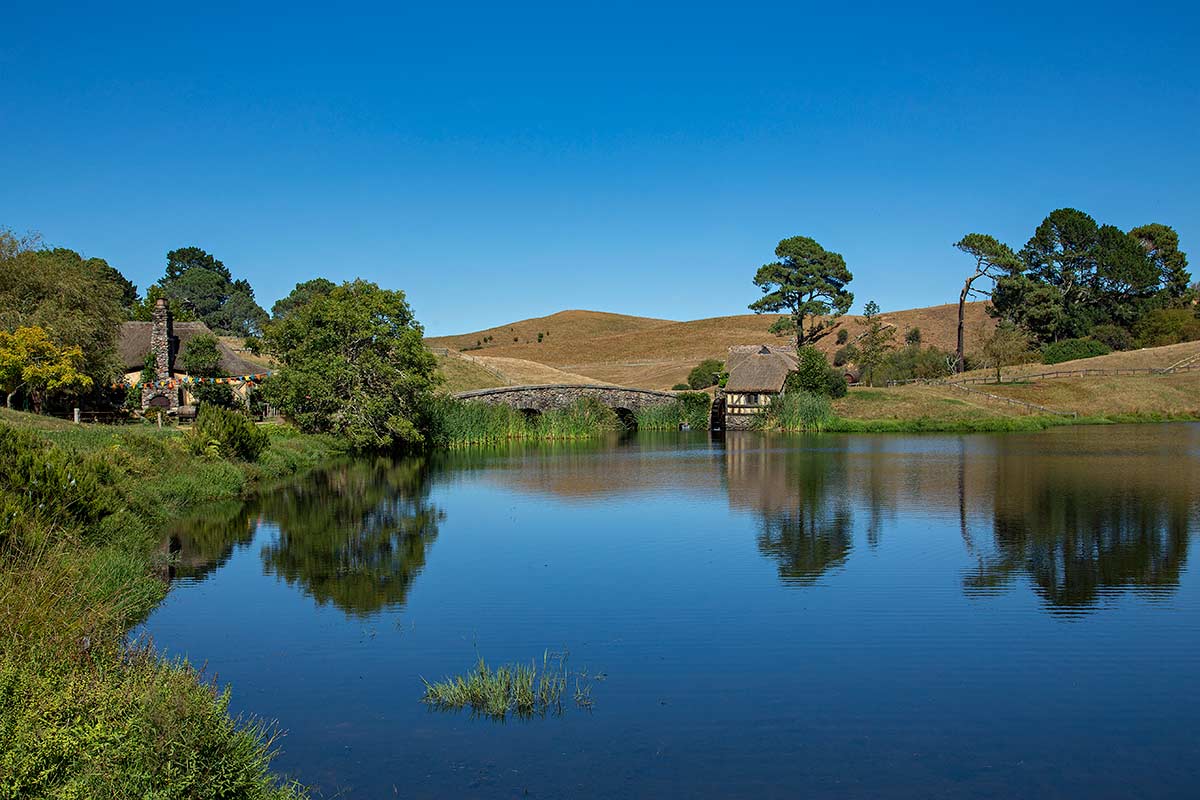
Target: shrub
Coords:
[(680, 387), (215, 394), (914, 362), (1071, 349), (913, 337), (814, 374), (705, 373), (1167, 326), (843, 336), (228, 434), (44, 491), (841, 357), (1114, 336)]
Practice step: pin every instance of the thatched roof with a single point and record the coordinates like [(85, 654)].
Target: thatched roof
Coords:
[(133, 343), (758, 368)]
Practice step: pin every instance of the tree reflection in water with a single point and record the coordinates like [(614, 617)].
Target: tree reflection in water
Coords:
[(804, 520), (1081, 528), (356, 536)]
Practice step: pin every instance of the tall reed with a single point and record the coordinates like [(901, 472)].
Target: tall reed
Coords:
[(797, 411)]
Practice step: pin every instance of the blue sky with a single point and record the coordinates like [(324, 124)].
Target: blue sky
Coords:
[(499, 162)]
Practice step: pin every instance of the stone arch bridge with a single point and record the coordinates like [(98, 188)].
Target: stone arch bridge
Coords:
[(531, 399)]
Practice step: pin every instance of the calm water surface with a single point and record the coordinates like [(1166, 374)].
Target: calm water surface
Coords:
[(836, 616)]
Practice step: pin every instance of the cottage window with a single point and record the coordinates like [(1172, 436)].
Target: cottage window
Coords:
[(752, 399)]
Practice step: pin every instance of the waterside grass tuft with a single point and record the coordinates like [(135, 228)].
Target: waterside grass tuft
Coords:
[(521, 690)]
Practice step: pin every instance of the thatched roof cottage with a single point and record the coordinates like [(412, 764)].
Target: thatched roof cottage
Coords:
[(756, 374)]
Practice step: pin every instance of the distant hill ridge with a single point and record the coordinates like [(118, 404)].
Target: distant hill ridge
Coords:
[(658, 353)]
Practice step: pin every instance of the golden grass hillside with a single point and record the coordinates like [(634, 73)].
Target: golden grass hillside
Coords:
[(656, 354)]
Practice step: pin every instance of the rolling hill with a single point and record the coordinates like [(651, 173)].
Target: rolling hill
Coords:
[(658, 353)]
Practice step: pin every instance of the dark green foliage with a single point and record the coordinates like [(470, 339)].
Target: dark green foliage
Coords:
[(202, 357), (353, 363), (1071, 349), (814, 375), (198, 282), (226, 433), (680, 387), (215, 394), (1075, 274), (907, 363), (808, 284), (913, 337), (303, 293), (1161, 244), (842, 356), (843, 336), (705, 373), (1114, 336), (1167, 326)]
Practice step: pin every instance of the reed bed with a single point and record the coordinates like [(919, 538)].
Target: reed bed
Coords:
[(690, 408), (521, 690), (797, 412), (457, 423)]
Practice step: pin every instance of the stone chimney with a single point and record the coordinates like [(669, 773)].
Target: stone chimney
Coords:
[(162, 335), (160, 339)]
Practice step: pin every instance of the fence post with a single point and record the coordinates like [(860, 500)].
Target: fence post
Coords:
[(77, 416)]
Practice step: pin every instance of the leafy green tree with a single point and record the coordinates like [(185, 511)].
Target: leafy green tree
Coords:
[(993, 260), (871, 348), (808, 284), (353, 363), (705, 373), (29, 360), (303, 293), (814, 375), (202, 357), (71, 298), (1007, 345)]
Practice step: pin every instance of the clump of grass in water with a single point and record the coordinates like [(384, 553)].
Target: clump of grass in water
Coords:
[(519, 689)]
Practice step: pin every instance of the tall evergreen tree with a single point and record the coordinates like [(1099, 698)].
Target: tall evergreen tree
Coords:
[(808, 284)]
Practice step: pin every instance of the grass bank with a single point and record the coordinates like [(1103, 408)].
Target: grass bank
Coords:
[(913, 410), (82, 714)]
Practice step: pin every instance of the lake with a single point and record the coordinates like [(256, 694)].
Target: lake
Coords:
[(772, 616)]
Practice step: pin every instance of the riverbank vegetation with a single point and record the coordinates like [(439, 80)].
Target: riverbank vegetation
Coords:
[(82, 713), (459, 423), (690, 408)]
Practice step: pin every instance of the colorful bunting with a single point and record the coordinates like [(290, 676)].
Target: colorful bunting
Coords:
[(188, 381)]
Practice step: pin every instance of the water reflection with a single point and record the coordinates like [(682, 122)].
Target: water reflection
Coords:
[(1076, 514), (805, 522), (1082, 525), (357, 536)]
